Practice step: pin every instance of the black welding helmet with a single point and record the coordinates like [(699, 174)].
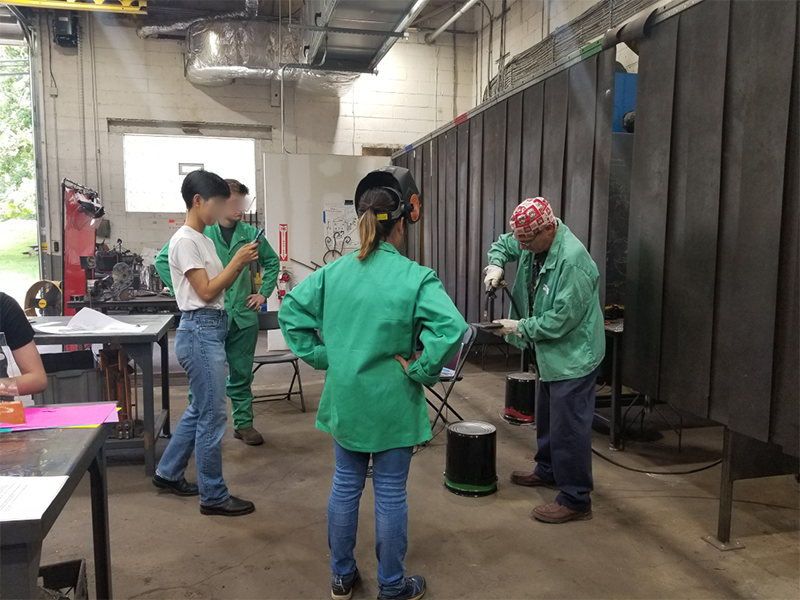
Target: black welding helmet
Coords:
[(400, 184)]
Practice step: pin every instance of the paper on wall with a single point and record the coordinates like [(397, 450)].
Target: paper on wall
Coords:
[(341, 227)]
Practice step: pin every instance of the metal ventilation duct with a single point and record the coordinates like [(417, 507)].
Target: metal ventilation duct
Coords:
[(220, 52), (249, 12)]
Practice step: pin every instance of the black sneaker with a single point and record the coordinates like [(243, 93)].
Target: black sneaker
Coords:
[(413, 590), (342, 587)]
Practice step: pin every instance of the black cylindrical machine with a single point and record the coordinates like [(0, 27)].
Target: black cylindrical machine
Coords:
[(471, 468), (520, 398)]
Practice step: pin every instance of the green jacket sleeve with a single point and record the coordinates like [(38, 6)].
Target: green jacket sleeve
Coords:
[(271, 265), (162, 267), (569, 306), (442, 331), (505, 250), (300, 317)]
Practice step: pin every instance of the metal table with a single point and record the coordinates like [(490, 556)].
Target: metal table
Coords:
[(143, 303), (139, 346), (614, 329), (53, 452)]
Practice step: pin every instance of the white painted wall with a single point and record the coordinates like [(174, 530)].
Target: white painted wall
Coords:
[(418, 88)]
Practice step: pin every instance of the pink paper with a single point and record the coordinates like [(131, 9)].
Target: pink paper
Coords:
[(50, 417)]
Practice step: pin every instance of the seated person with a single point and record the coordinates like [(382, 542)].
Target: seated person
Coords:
[(19, 339)]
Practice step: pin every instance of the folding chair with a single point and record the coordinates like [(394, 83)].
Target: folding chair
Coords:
[(444, 378), (269, 322)]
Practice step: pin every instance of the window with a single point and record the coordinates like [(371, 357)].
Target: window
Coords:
[(155, 165)]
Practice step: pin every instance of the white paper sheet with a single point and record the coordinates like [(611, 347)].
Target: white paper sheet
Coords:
[(26, 498), (89, 320)]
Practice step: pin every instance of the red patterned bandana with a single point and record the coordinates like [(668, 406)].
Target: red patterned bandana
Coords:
[(532, 216)]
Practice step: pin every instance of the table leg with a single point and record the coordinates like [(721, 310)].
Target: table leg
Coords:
[(20, 566), (164, 343), (725, 492), (615, 427), (142, 354), (100, 530)]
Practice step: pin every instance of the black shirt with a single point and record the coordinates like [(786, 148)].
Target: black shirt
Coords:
[(14, 324), (227, 234)]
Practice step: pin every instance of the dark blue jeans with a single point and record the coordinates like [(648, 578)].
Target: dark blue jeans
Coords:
[(200, 348), (389, 477), (564, 414)]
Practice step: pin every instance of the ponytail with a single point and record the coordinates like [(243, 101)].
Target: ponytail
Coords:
[(371, 229), (368, 232)]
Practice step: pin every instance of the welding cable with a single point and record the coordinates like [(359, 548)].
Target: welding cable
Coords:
[(646, 472)]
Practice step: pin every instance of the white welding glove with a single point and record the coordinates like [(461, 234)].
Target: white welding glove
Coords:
[(509, 327), (494, 277)]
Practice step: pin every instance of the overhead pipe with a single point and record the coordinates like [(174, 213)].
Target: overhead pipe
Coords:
[(431, 37)]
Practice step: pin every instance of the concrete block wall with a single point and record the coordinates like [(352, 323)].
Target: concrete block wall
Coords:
[(418, 88)]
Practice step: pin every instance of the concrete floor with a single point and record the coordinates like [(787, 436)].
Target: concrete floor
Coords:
[(645, 540)]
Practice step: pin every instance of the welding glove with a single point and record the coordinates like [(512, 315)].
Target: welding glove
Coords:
[(509, 327), (494, 277)]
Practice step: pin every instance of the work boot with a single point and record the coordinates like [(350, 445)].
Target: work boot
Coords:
[(179, 488), (556, 513), (249, 435), (413, 589), (342, 587), (232, 507), (528, 479)]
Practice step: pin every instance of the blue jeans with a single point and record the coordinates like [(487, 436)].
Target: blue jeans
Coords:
[(564, 414), (200, 348), (389, 477)]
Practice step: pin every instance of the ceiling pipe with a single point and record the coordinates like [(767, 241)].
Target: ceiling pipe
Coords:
[(431, 37)]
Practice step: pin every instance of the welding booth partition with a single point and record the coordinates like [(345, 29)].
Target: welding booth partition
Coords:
[(711, 320), (552, 139)]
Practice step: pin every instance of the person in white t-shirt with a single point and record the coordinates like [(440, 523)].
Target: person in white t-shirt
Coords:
[(200, 282)]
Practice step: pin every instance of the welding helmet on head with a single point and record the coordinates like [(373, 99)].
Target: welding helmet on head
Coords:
[(400, 184)]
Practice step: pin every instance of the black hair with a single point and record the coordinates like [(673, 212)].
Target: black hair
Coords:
[(204, 183), (375, 225)]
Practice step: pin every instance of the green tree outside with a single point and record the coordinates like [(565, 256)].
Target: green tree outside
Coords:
[(17, 183)]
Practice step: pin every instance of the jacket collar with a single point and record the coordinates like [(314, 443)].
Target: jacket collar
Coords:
[(386, 246), (555, 247), (238, 233)]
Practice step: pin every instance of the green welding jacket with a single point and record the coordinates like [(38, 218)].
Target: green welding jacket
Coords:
[(566, 326), (236, 296), (351, 318)]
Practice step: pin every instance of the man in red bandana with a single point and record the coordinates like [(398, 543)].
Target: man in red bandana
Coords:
[(557, 289)]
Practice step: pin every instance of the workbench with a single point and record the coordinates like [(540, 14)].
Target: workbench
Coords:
[(142, 304), (614, 330), (50, 453), (139, 346)]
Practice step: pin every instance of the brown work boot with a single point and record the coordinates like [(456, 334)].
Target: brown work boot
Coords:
[(555, 513), (528, 479), (249, 435)]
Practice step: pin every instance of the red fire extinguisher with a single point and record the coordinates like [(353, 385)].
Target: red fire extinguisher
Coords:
[(284, 277)]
